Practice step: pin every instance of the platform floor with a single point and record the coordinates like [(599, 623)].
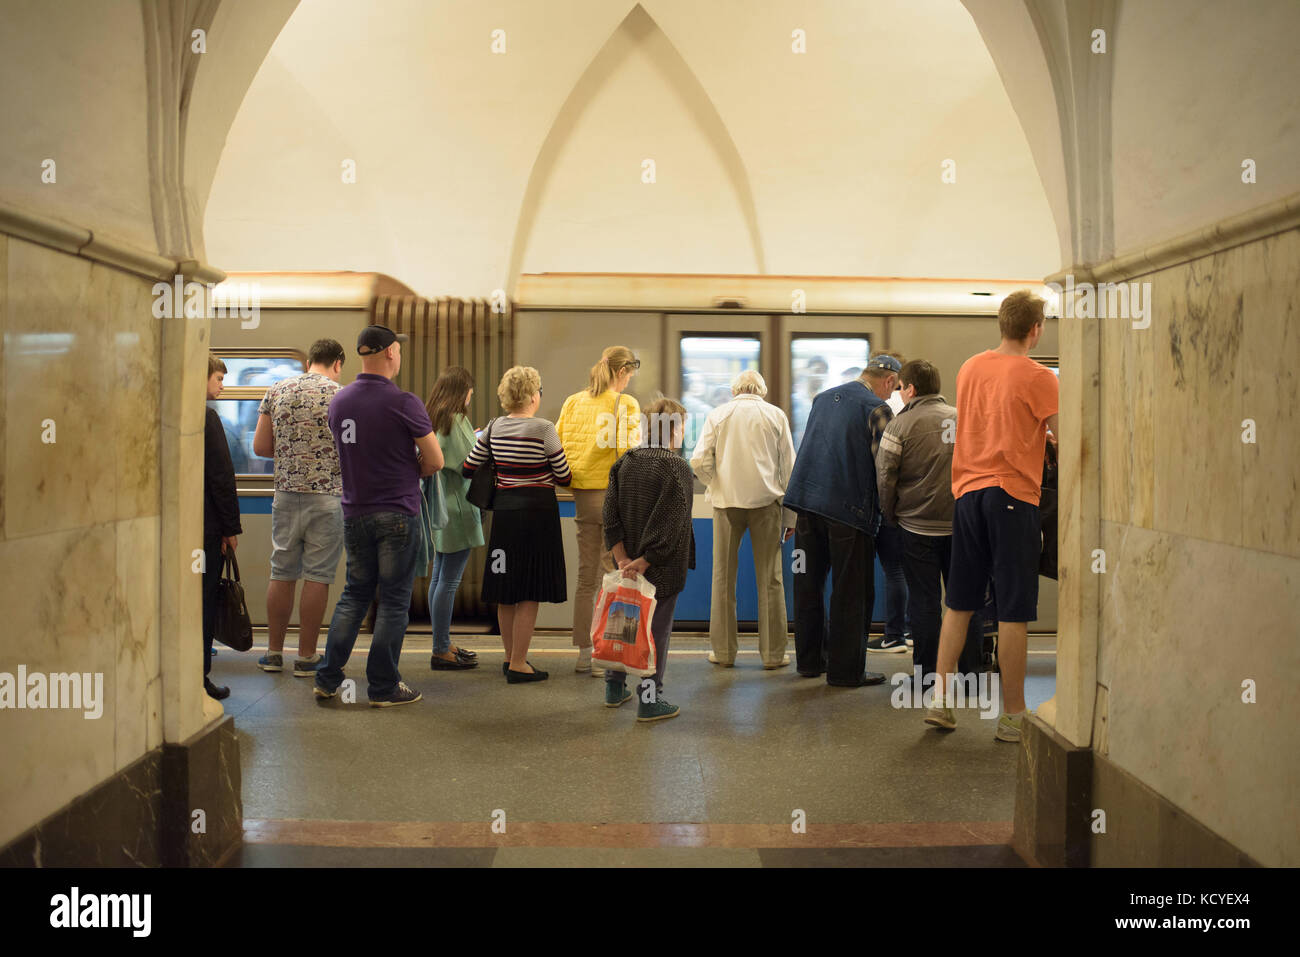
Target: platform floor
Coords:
[(578, 783)]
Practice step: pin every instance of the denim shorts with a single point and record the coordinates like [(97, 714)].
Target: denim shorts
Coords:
[(306, 536)]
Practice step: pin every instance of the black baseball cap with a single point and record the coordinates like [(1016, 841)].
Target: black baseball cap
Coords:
[(376, 339)]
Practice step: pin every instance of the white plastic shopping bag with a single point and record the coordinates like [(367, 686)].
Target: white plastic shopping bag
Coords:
[(620, 624)]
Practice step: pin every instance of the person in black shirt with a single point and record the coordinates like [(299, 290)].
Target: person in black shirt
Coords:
[(221, 526), (647, 513)]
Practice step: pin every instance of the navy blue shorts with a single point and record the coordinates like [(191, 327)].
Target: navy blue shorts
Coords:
[(999, 538)]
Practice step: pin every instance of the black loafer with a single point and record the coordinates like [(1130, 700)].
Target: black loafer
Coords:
[(214, 691), (523, 677), (466, 654), (442, 664), (866, 678)]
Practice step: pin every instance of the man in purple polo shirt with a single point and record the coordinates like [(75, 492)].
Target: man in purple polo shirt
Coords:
[(385, 443)]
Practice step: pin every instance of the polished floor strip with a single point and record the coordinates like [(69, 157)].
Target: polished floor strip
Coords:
[(623, 835)]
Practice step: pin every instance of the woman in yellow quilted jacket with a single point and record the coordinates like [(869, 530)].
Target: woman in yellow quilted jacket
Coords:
[(596, 426)]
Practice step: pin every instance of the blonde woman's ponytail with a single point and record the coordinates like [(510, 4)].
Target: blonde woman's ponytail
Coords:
[(612, 361)]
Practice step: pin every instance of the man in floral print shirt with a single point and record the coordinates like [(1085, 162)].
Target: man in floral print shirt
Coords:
[(307, 511)]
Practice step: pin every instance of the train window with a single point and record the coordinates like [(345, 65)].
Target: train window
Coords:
[(818, 363), (249, 373), (708, 365)]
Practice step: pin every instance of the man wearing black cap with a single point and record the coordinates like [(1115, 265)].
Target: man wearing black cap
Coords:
[(385, 443)]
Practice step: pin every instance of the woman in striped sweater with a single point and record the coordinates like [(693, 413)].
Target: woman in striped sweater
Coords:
[(525, 559)]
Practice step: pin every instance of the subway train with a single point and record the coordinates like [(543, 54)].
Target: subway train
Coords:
[(693, 334)]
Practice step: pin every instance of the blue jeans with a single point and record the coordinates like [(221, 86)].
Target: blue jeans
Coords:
[(889, 546), (448, 568), (381, 549)]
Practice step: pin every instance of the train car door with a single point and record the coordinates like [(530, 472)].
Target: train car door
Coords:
[(816, 353), (703, 354)]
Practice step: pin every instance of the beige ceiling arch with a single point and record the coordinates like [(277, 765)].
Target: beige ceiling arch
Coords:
[(637, 30), (1060, 90), (240, 36)]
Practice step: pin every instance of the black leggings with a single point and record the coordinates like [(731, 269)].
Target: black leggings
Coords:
[(212, 558)]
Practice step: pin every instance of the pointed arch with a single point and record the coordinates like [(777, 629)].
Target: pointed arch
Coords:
[(638, 30)]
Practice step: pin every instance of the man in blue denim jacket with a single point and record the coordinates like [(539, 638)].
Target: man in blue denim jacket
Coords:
[(832, 491)]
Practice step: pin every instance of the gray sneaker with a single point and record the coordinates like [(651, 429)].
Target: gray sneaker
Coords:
[(306, 667), (944, 718), (1008, 728), (402, 694)]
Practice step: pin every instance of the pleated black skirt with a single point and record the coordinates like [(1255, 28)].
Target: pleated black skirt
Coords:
[(525, 554)]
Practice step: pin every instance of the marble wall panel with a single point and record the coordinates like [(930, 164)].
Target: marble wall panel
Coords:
[(138, 661), (1143, 829), (57, 366), (203, 773), (1115, 420), (1198, 322), (4, 334), (1270, 376), (182, 382), (1128, 425), (1078, 518), (1187, 622), (114, 824), (136, 340), (58, 592), (180, 588)]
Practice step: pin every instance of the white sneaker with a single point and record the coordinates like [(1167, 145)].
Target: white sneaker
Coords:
[(584, 663)]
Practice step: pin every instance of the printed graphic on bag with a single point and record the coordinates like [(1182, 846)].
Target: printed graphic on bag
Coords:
[(622, 622), (620, 625)]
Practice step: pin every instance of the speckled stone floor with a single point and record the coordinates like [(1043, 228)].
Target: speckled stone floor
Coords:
[(762, 768)]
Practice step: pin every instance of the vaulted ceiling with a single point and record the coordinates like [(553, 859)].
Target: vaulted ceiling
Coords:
[(472, 166)]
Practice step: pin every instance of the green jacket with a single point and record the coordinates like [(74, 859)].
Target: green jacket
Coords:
[(464, 521)]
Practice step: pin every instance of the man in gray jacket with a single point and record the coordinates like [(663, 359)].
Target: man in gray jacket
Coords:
[(914, 476)]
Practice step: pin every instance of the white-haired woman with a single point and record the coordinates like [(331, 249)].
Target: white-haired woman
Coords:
[(744, 458), (525, 558)]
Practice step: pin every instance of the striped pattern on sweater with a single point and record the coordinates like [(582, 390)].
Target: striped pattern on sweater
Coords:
[(527, 452)]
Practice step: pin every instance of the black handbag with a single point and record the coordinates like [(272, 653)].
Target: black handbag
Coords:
[(483, 483), (233, 626), (1047, 513)]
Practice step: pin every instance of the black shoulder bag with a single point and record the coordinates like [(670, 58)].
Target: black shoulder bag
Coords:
[(482, 489), (1047, 513), (234, 627)]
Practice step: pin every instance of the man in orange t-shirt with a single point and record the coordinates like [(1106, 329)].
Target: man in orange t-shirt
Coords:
[(1007, 404)]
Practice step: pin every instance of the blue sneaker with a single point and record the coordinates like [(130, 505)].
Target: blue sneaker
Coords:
[(616, 694), (271, 662), (402, 694), (656, 710)]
